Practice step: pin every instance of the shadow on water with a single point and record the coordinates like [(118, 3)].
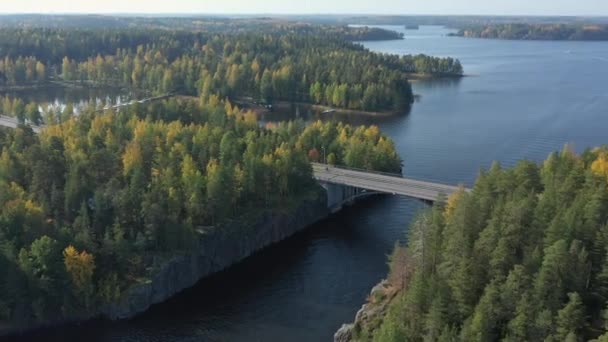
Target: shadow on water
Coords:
[(228, 305)]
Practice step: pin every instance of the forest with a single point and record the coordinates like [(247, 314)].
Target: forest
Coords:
[(199, 23), (526, 31), (522, 257), (306, 64), (91, 206)]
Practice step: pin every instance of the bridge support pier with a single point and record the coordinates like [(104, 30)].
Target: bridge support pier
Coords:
[(340, 195)]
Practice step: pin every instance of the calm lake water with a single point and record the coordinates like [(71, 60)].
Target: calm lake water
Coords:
[(56, 96), (521, 100)]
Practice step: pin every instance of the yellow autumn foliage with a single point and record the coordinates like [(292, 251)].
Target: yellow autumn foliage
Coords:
[(372, 133), (600, 165), (343, 137), (132, 157), (452, 202), (80, 267), (250, 118)]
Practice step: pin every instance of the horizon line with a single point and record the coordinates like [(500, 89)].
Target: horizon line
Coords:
[(306, 14)]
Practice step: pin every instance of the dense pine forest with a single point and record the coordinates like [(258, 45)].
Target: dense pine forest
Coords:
[(91, 206), (522, 257), (201, 23), (292, 63)]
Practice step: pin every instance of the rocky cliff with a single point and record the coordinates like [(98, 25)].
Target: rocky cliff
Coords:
[(370, 316), (218, 250)]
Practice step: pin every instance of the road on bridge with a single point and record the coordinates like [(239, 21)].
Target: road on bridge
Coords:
[(11, 122), (395, 185)]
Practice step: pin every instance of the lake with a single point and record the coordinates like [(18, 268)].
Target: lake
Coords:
[(57, 96), (521, 99)]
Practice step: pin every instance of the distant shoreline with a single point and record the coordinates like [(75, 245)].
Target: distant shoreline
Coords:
[(536, 32), (54, 84), (413, 77)]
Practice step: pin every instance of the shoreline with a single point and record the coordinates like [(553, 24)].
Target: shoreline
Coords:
[(218, 250), (286, 106), (51, 84), (371, 314), (26, 87), (425, 77), (527, 39)]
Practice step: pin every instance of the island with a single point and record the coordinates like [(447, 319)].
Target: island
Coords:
[(522, 31), (365, 33)]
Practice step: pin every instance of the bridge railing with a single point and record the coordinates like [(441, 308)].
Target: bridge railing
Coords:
[(396, 175), (134, 101), (391, 174)]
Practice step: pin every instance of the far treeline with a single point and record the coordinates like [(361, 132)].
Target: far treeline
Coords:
[(523, 257), (206, 24), (309, 64), (537, 31), (96, 204)]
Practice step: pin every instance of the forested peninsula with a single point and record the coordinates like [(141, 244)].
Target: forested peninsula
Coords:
[(522, 257), (304, 64), (96, 205), (522, 31)]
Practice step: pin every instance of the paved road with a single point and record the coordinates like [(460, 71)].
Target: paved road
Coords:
[(142, 101), (11, 122), (382, 183), (8, 122)]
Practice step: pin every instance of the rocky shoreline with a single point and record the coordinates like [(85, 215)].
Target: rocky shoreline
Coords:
[(370, 316), (218, 250)]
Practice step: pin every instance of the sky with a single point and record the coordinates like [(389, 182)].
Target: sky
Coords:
[(404, 7)]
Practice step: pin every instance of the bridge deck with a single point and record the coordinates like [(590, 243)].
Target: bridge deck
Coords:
[(382, 183), (358, 179)]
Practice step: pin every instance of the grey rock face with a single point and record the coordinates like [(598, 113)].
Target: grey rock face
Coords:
[(218, 250), (345, 333)]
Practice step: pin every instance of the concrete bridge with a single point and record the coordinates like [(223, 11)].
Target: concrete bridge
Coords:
[(344, 186)]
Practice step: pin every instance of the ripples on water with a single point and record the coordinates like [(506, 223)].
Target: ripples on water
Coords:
[(524, 100)]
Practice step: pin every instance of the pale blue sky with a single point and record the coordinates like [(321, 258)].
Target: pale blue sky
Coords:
[(504, 7)]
